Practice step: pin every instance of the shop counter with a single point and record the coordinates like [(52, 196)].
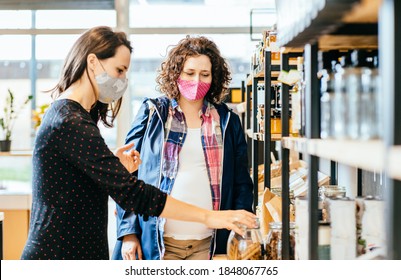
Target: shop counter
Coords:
[(15, 204), (1, 234)]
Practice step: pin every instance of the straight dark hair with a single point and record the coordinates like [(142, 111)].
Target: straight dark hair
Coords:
[(103, 42)]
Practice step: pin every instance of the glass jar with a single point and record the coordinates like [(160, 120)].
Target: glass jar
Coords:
[(326, 105), (275, 122), (274, 243), (247, 247), (368, 105), (329, 192), (323, 249), (340, 114), (353, 101)]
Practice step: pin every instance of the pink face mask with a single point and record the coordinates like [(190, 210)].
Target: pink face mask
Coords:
[(193, 90)]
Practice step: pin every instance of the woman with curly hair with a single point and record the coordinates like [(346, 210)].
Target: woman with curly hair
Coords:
[(193, 148)]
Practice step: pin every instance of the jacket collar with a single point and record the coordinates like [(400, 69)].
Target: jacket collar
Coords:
[(224, 113), (162, 106)]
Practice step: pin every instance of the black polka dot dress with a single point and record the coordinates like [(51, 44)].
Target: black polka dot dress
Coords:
[(74, 172)]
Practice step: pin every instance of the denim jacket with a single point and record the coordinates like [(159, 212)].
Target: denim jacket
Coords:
[(147, 133)]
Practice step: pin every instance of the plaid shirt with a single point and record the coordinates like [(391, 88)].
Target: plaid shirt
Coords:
[(212, 143)]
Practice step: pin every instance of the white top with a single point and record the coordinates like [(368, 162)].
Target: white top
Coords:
[(191, 185)]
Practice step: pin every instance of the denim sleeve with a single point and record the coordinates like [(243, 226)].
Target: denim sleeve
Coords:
[(127, 222)]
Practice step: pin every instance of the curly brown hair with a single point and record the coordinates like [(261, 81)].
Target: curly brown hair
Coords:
[(172, 66)]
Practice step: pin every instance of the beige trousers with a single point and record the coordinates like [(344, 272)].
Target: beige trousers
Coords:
[(186, 249)]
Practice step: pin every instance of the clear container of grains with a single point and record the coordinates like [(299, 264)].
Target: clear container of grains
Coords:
[(245, 247)]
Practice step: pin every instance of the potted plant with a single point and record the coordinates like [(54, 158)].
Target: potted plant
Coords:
[(7, 119), (38, 114)]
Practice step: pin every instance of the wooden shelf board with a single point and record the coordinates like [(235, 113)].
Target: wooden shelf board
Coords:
[(249, 80), (291, 61), (365, 12), (394, 162), (368, 155), (291, 50), (338, 42), (259, 74), (274, 137), (20, 153)]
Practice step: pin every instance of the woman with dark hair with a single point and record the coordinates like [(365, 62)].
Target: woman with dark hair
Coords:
[(74, 172), (193, 148)]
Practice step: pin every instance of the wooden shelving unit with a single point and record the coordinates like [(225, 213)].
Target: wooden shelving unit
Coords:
[(343, 25)]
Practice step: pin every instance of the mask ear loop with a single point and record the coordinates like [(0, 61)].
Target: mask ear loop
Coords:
[(101, 64), (94, 104)]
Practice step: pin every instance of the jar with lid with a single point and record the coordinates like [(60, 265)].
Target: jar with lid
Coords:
[(323, 249), (327, 192), (274, 241), (246, 247), (332, 191)]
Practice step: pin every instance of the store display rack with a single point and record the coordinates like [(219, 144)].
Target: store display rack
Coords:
[(323, 26), (373, 155), (338, 25), (260, 144)]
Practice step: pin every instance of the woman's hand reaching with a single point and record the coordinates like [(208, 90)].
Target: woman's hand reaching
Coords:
[(129, 157), (231, 220)]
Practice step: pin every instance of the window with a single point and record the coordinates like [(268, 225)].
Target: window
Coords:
[(15, 53), (15, 19), (69, 19), (154, 25)]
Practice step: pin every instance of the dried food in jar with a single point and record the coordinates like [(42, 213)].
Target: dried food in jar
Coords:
[(274, 241), (247, 247)]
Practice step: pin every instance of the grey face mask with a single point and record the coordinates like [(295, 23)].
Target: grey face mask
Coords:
[(110, 88)]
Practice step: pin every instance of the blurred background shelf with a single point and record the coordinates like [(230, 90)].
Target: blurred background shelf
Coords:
[(19, 153), (333, 16)]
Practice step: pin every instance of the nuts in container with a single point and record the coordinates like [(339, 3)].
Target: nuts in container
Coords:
[(274, 243)]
